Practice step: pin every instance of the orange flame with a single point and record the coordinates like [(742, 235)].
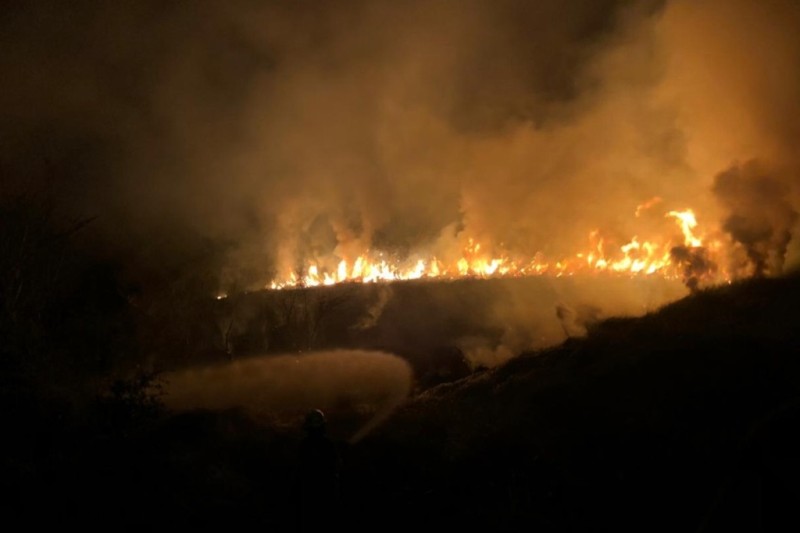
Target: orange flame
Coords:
[(635, 258)]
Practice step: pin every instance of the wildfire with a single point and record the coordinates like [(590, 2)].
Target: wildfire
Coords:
[(635, 258)]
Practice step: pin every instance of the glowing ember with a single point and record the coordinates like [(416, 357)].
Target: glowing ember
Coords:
[(635, 258)]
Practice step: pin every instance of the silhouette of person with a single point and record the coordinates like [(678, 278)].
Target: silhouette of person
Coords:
[(318, 475)]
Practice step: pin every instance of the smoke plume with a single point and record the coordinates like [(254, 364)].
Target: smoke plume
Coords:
[(761, 215), (243, 139)]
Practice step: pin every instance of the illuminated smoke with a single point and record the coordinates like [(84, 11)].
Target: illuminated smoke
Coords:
[(373, 313), (576, 322), (246, 141), (637, 125)]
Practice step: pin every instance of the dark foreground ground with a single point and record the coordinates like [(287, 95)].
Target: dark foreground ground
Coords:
[(687, 419)]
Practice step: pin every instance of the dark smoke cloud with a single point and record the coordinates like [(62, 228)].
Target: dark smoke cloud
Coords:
[(242, 137), (761, 217)]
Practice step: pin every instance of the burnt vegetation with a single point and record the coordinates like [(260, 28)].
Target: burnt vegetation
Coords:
[(685, 419)]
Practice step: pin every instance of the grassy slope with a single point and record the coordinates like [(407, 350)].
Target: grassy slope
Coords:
[(660, 423), (646, 424)]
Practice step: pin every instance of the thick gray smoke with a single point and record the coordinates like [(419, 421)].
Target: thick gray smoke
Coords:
[(243, 138)]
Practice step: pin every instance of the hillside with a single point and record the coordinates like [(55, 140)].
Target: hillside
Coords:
[(685, 419)]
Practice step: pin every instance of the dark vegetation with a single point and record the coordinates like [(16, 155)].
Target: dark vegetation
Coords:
[(686, 419)]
